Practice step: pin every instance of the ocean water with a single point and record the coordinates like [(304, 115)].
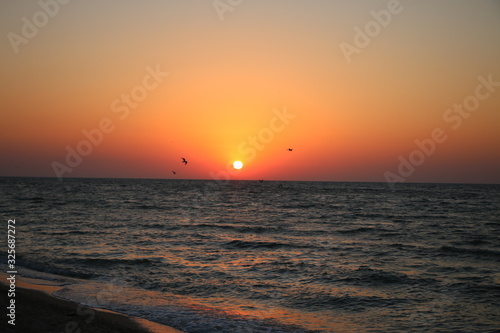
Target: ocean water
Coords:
[(245, 256)]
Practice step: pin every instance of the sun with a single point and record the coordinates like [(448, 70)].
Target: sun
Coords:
[(237, 165)]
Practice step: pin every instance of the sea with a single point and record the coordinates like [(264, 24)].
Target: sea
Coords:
[(208, 256)]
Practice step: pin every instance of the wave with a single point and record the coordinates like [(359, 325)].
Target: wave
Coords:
[(183, 313), (164, 226), (144, 207), (108, 262), (240, 244), (82, 268), (351, 303), (56, 269), (241, 229), (300, 206), (390, 234), (69, 232), (369, 216), (369, 276), (477, 252), (474, 242), (357, 230), (34, 199)]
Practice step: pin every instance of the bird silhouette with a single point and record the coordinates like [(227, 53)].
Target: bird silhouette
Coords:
[(261, 180), (290, 149), (184, 161), (174, 172)]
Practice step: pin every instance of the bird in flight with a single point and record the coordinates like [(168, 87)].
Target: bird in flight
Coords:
[(184, 161), (261, 180), (290, 149), (174, 172)]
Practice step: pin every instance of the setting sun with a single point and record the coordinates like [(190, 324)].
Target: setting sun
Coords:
[(237, 165)]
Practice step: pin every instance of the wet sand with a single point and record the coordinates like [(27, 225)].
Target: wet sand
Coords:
[(38, 311)]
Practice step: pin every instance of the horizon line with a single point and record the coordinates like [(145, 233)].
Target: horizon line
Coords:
[(251, 180)]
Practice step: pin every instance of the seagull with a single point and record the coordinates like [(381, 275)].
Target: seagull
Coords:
[(261, 180), (184, 161), (174, 172), (290, 149)]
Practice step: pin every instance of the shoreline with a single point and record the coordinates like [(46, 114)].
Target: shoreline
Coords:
[(37, 310)]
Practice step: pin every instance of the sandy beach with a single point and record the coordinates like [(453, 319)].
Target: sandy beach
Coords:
[(38, 311)]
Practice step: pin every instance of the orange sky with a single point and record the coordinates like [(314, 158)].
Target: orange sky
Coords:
[(350, 119)]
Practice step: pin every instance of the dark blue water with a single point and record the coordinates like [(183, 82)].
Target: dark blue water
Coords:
[(243, 256)]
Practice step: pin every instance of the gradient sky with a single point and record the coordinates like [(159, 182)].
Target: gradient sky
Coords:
[(353, 121)]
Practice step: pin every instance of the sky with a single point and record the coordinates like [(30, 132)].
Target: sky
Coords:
[(385, 91)]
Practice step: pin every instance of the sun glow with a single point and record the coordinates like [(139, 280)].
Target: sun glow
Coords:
[(237, 165)]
